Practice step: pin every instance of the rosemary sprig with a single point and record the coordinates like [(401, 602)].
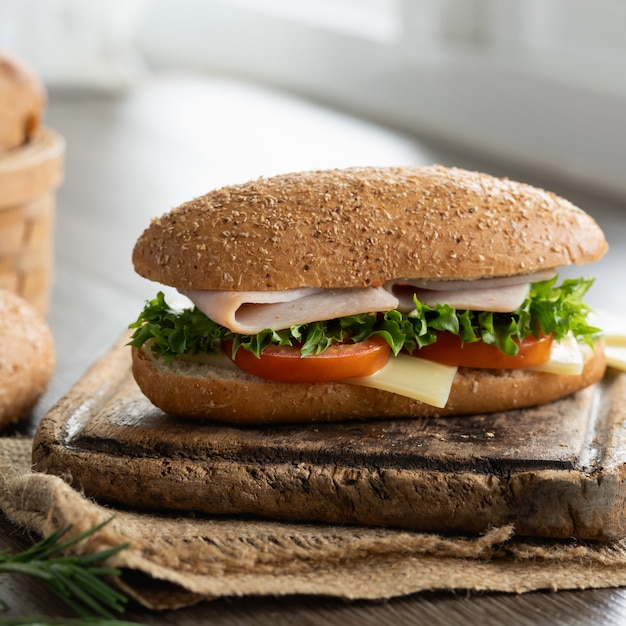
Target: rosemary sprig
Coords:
[(77, 580)]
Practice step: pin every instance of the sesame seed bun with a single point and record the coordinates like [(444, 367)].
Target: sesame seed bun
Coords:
[(362, 226)]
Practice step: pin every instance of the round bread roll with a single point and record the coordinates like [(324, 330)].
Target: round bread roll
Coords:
[(27, 358), (193, 389), (359, 227), (22, 102)]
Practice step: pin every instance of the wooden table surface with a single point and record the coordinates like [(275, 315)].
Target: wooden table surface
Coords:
[(171, 138)]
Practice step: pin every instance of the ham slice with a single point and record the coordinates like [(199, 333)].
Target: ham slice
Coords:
[(498, 299), (501, 294), (250, 312), (453, 285)]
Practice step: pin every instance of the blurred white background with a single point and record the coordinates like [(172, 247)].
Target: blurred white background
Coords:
[(535, 83)]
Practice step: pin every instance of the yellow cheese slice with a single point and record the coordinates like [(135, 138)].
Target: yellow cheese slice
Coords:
[(614, 328), (415, 378), (616, 357), (565, 358), (405, 375)]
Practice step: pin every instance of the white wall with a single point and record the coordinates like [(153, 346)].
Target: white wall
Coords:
[(541, 83), (537, 83)]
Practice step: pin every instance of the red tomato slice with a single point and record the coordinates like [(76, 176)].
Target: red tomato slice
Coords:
[(338, 362), (450, 350)]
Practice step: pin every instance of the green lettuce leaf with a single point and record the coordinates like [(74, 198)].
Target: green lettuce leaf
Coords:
[(547, 309)]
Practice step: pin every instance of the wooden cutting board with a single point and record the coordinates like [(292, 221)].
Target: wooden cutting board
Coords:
[(554, 471)]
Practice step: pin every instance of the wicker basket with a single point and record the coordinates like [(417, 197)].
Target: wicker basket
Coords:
[(29, 176)]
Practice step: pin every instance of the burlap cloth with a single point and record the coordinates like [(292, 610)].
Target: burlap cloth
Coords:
[(196, 559)]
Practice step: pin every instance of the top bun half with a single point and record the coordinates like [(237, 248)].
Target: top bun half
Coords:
[(359, 227)]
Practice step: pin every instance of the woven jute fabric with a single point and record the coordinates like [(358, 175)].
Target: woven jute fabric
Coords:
[(201, 558)]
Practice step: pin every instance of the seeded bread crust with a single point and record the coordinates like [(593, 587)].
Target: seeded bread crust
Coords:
[(196, 390), (362, 226), (22, 101), (27, 357)]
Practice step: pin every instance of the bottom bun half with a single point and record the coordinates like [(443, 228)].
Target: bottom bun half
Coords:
[(196, 390)]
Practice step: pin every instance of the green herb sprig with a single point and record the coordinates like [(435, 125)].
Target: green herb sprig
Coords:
[(77, 580)]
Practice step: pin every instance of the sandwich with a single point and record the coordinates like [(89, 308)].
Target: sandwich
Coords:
[(364, 293)]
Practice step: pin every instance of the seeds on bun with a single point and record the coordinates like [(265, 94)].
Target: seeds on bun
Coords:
[(366, 292), (361, 227), (27, 357)]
